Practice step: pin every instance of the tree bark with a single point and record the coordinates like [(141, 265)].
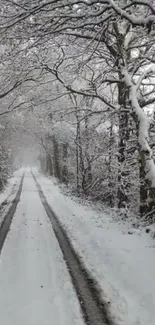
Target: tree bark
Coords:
[(123, 138), (143, 209), (50, 165), (64, 168), (56, 159)]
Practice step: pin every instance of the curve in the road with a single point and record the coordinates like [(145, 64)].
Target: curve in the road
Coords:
[(94, 310), (6, 223)]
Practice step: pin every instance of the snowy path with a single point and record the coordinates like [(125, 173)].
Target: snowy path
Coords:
[(123, 264), (35, 287)]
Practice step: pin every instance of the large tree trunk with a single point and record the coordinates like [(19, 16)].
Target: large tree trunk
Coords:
[(110, 173), (123, 138), (123, 95), (145, 152)]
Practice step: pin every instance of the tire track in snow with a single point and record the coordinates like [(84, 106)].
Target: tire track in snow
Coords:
[(6, 223), (94, 309)]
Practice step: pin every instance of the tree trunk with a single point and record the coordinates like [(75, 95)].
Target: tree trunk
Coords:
[(77, 154), (56, 159), (143, 209), (50, 165), (146, 157), (81, 162), (64, 168), (123, 138)]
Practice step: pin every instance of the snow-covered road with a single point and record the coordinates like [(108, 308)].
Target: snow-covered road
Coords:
[(120, 257), (35, 287)]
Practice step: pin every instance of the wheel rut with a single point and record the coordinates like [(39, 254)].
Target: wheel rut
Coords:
[(6, 223), (94, 310)]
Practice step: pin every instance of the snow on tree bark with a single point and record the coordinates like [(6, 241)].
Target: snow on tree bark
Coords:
[(143, 128)]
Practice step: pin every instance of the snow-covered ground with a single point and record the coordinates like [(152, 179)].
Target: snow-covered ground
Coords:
[(12, 182), (35, 287), (9, 193), (122, 261)]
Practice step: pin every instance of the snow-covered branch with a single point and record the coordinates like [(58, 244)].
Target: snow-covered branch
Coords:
[(148, 71)]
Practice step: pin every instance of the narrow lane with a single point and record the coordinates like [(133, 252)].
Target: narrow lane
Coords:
[(35, 287), (94, 309)]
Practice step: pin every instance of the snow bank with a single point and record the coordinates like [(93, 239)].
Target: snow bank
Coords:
[(9, 192)]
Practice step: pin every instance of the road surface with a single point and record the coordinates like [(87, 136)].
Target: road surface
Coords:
[(35, 286)]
